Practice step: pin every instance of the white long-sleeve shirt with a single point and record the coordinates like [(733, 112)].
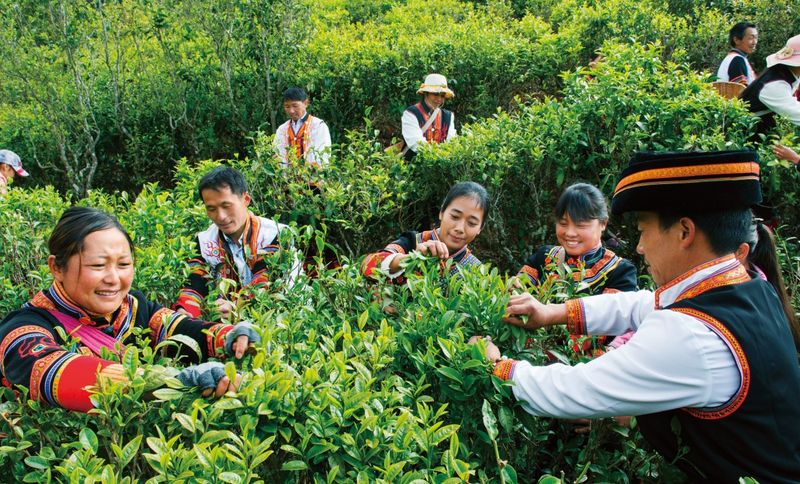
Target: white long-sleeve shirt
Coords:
[(318, 151), (412, 131), (778, 96), (672, 361)]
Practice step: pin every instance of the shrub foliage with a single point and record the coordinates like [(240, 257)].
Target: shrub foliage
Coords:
[(355, 380)]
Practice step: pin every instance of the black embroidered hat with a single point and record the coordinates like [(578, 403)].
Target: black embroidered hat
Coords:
[(688, 181)]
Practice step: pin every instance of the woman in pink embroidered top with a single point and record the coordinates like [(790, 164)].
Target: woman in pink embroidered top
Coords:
[(91, 261)]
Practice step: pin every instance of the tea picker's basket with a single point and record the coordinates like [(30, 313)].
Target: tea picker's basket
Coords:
[(728, 90)]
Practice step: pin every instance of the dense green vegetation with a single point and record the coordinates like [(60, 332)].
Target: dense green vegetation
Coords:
[(110, 94), (137, 98)]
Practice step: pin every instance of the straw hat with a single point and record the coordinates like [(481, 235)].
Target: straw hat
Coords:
[(435, 83), (789, 55)]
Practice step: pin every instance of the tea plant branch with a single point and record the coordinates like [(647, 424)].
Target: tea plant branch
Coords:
[(490, 422)]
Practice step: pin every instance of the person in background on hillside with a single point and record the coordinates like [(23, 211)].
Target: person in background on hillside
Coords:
[(10, 166), (235, 246), (304, 135), (428, 121), (735, 67), (712, 354), (461, 218), (91, 261), (581, 216), (773, 92), (759, 254)]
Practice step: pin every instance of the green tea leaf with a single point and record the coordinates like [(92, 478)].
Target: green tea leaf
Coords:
[(88, 440), (294, 465), (489, 421)]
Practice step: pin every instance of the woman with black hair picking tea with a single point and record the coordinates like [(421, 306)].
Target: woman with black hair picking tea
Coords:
[(581, 216), (461, 218)]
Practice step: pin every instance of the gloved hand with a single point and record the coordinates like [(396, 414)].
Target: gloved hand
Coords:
[(239, 338), (204, 375), (210, 377)]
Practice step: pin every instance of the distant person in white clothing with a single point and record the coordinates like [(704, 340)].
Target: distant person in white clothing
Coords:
[(304, 135), (774, 93), (735, 67), (428, 121)]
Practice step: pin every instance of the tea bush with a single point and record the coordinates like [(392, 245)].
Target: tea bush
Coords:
[(339, 390), (112, 94), (356, 380)]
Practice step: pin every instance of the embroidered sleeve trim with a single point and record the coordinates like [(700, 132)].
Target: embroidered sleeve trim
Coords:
[(47, 369), (191, 301), (372, 261), (531, 273), (576, 317), (394, 249), (215, 338), (504, 369), (730, 340), (198, 267), (260, 279), (162, 324), (77, 376)]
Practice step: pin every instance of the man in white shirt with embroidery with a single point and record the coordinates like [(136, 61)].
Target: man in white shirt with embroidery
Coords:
[(735, 67), (305, 135), (712, 350), (235, 246)]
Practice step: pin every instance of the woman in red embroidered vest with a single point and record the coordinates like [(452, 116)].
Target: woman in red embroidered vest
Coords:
[(92, 266), (461, 218), (427, 121), (581, 216)]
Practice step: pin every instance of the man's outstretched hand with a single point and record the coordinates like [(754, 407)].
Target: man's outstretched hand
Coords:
[(525, 311)]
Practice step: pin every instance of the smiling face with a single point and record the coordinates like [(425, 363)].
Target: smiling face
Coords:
[(578, 238), (434, 99), (295, 109), (227, 210), (460, 222), (748, 42), (98, 277)]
